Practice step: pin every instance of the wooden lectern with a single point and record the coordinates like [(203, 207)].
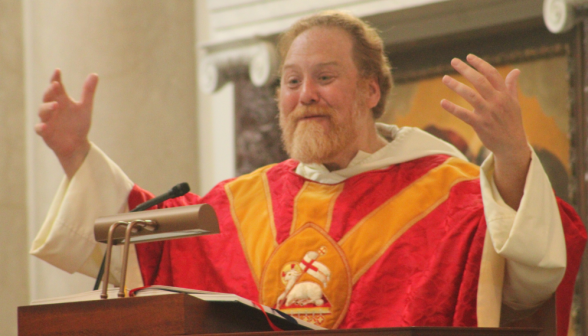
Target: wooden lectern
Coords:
[(182, 314)]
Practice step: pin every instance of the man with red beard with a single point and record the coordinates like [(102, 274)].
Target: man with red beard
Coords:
[(368, 225)]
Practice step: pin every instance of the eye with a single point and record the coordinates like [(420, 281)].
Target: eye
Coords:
[(292, 82), (325, 78)]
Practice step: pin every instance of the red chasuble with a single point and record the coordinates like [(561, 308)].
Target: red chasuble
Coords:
[(393, 247)]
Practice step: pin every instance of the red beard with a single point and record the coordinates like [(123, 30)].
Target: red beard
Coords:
[(316, 134)]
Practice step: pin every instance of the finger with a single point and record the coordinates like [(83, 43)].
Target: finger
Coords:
[(46, 110), (479, 82), (56, 89), (466, 92), (89, 90), (40, 128), (511, 82), (488, 71), (52, 92), (56, 77), (466, 116)]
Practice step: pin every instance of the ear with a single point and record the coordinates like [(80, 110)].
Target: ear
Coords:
[(373, 93)]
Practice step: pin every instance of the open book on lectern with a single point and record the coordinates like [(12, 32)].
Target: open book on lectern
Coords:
[(168, 290), (219, 297)]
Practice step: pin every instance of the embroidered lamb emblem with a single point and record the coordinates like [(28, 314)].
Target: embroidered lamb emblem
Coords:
[(305, 298)]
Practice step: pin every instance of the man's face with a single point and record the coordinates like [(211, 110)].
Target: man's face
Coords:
[(320, 99)]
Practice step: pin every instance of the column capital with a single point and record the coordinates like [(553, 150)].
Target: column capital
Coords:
[(223, 61), (560, 15)]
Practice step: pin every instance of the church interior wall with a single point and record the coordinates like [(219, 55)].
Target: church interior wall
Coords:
[(144, 115), (13, 239), (149, 115)]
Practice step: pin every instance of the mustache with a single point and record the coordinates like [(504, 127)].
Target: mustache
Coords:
[(302, 112)]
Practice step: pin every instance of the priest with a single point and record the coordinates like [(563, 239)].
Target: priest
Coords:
[(367, 225)]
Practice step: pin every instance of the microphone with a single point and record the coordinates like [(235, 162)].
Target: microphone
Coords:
[(177, 191)]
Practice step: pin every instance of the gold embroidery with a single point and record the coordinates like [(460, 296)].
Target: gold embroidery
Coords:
[(314, 204), (309, 274), (251, 209)]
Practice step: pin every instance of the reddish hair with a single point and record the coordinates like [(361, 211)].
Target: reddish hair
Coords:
[(368, 48)]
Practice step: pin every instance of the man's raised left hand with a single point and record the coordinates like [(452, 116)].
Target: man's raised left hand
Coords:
[(496, 118)]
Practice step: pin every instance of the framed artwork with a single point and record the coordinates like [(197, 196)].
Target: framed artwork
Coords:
[(544, 98)]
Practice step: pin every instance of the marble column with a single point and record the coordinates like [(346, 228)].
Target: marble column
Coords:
[(250, 67), (257, 132)]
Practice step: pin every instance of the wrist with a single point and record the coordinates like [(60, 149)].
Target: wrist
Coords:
[(72, 161), (514, 157)]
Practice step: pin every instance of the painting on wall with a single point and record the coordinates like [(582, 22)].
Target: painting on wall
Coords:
[(543, 94)]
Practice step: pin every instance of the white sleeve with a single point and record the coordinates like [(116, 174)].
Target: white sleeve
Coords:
[(66, 239), (530, 239)]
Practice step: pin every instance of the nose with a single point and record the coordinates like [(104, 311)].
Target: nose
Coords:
[(309, 94)]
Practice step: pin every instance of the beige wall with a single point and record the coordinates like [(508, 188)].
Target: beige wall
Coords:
[(13, 236), (204, 104), (144, 115)]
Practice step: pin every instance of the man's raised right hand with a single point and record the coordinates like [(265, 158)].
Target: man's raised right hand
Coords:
[(65, 123)]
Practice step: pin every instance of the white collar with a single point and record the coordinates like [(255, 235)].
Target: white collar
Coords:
[(406, 144)]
